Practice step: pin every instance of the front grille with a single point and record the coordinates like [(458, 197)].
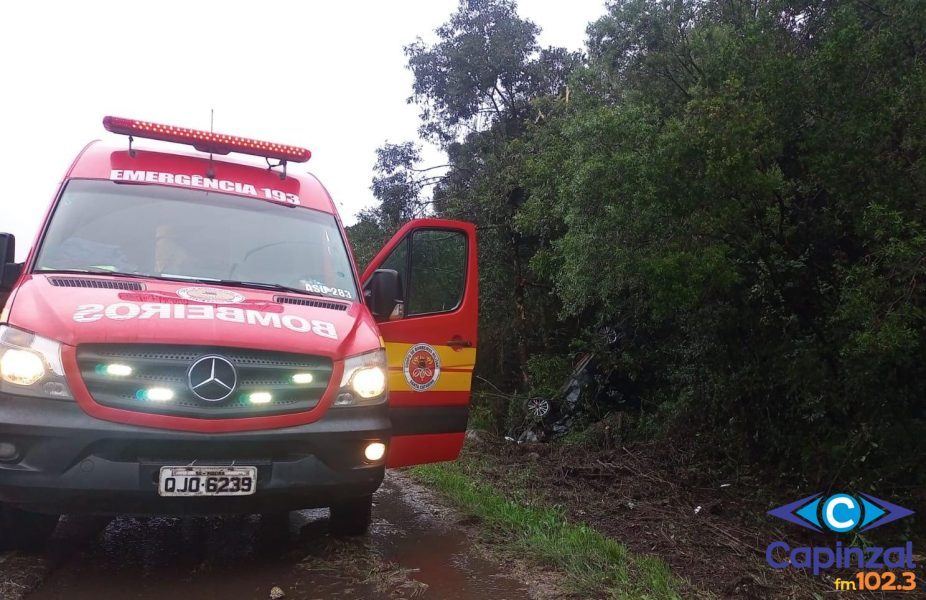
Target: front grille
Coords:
[(108, 284), (167, 366)]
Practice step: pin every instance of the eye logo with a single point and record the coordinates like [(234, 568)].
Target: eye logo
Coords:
[(840, 512)]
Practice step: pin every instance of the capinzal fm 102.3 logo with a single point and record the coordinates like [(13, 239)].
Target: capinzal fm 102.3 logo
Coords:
[(842, 513)]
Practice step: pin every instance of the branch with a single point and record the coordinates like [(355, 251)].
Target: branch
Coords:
[(666, 73), (430, 180), (508, 101), (491, 96), (429, 168)]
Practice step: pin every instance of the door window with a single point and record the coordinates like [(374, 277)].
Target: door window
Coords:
[(432, 267), (437, 273)]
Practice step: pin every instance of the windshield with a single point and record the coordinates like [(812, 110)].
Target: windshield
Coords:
[(160, 231)]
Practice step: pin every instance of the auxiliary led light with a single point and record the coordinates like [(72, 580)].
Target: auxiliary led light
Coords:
[(260, 398), (156, 394), (116, 370)]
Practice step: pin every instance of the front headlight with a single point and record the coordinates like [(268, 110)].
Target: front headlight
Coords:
[(30, 365), (364, 380)]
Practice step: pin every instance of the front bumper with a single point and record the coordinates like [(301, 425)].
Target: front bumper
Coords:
[(70, 462)]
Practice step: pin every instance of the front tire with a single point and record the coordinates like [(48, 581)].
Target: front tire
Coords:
[(352, 517), (21, 530)]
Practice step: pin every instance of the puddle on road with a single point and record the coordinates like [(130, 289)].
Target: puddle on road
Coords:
[(411, 552), (414, 534)]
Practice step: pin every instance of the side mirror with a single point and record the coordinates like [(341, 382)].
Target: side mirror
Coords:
[(383, 292), (9, 270)]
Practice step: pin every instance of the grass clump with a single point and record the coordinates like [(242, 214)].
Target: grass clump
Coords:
[(594, 565)]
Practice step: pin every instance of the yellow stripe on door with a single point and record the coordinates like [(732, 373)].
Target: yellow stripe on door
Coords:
[(448, 380), (449, 358)]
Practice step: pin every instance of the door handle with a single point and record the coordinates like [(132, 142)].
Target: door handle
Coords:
[(458, 343)]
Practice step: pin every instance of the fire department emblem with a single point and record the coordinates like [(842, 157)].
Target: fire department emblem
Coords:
[(422, 367), (210, 295)]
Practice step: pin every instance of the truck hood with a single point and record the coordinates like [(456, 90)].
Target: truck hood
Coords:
[(84, 309)]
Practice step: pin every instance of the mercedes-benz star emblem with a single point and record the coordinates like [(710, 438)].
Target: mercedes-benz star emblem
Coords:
[(212, 378)]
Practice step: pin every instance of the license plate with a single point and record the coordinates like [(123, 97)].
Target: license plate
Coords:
[(207, 481)]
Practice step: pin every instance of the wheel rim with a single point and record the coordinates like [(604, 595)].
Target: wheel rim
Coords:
[(538, 407)]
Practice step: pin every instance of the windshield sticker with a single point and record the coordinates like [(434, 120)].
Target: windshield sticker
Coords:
[(422, 367), (123, 311), (210, 295), (203, 183), (320, 288)]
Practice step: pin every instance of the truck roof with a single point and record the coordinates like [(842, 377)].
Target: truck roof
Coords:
[(179, 168)]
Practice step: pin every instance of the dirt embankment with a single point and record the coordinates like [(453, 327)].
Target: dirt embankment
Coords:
[(712, 531)]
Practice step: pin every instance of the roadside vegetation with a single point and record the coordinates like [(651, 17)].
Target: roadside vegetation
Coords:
[(736, 189), (594, 565), (682, 525)]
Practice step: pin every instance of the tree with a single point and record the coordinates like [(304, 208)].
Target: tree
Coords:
[(738, 186), (476, 87), (400, 185), (366, 237), (478, 73), (749, 198)]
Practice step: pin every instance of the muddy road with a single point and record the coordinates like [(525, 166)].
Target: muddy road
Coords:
[(416, 548)]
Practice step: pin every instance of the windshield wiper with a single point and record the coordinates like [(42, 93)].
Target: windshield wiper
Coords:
[(90, 271), (278, 287)]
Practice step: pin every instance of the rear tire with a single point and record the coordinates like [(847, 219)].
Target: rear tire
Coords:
[(21, 530), (352, 517)]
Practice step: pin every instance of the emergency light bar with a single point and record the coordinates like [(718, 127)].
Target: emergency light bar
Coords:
[(205, 141)]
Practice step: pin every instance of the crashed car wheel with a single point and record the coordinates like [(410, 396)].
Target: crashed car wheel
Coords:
[(538, 408), (21, 530), (351, 517)]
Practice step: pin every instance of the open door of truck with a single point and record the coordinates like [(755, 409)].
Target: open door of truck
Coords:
[(430, 337)]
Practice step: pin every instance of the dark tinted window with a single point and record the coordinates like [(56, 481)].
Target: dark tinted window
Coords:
[(438, 271)]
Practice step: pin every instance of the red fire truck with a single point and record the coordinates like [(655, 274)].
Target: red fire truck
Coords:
[(190, 335)]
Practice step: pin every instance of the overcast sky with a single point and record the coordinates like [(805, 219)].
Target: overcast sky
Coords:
[(328, 76)]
